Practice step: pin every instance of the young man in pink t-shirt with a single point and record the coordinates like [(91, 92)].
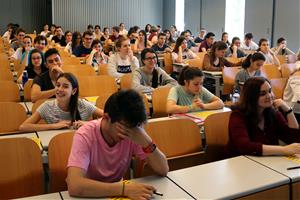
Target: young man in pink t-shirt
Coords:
[(102, 150)]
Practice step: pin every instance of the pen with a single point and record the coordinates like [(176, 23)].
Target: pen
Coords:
[(157, 193), (296, 167)]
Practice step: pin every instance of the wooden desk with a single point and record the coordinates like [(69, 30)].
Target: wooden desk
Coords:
[(280, 164), (27, 135), (29, 105), (177, 67), (217, 76), (232, 178), (52, 196), (162, 184), (26, 108), (46, 136)]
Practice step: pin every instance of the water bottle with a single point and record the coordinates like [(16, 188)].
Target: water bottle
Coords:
[(24, 77), (34, 32), (235, 96)]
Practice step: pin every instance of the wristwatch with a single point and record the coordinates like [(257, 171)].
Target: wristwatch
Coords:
[(288, 111)]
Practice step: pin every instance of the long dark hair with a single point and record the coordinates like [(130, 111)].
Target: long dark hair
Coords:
[(252, 57), (179, 41), (73, 105), (220, 45), (43, 67), (248, 104), (260, 43), (189, 73), (74, 39), (145, 37)]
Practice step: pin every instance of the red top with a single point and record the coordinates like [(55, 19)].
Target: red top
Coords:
[(240, 142)]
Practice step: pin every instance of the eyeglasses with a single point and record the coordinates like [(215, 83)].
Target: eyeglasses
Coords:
[(151, 58), (264, 92), (21, 35), (36, 58)]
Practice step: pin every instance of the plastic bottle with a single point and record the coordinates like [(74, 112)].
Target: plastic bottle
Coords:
[(235, 96), (34, 32), (24, 77)]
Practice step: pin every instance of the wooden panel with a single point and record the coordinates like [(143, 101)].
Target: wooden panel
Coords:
[(296, 190)]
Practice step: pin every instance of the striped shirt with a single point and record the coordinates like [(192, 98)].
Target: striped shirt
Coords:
[(51, 113)]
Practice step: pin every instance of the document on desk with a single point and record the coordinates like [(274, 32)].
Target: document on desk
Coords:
[(295, 158), (204, 114)]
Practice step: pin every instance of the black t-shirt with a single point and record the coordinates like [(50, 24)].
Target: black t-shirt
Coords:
[(61, 41), (44, 81), (31, 73), (156, 48), (81, 51)]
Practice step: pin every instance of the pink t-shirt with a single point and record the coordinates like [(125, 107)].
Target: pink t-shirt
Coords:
[(101, 162)]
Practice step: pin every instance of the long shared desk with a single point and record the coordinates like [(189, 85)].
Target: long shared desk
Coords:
[(241, 177)]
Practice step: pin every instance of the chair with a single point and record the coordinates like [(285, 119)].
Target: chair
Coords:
[(197, 62), (102, 69), (278, 86), (179, 139), (4, 62), (27, 90), (270, 71), (70, 61), (125, 82), (9, 91), (96, 85), (159, 101), (146, 103), (216, 135), (287, 69), (58, 153), (21, 168), (6, 75), (233, 59), (101, 100), (282, 59), (168, 63), (79, 70), (229, 74), (13, 115)]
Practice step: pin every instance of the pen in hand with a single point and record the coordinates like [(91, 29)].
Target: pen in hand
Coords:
[(296, 167), (157, 193)]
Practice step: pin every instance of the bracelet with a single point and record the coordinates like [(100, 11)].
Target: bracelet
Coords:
[(123, 188), (150, 148), (289, 111)]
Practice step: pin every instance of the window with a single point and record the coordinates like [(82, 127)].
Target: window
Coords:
[(179, 15), (235, 18)]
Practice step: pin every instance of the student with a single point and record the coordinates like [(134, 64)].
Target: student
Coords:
[(251, 67), (169, 40), (40, 43), (150, 76), (153, 35), (105, 34), (234, 50), (97, 55), (59, 37), (68, 36), (190, 95), (36, 65), (76, 42), (122, 61), (141, 43), (187, 35), (224, 38), (65, 110), (248, 43), (123, 30), (102, 151), (85, 48), (264, 48), (45, 30), (161, 47), (181, 53), (215, 61), (281, 48), (256, 124), (207, 43), (18, 41), (291, 93), (201, 36), (174, 33), (23, 52), (97, 34), (148, 30), (43, 86)]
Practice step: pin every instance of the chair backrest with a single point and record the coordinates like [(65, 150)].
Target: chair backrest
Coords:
[(96, 85), (79, 69), (27, 90), (58, 153), (4, 62), (270, 71), (229, 74), (287, 69), (159, 101), (9, 92), (168, 63), (6, 75), (21, 168), (197, 62), (233, 59), (175, 137), (216, 135), (126, 81), (282, 59), (101, 100), (146, 103), (12, 116), (102, 69), (278, 86), (70, 60)]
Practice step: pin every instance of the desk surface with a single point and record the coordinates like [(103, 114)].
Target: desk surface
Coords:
[(27, 135), (233, 178), (279, 164), (54, 196), (213, 73), (163, 185), (46, 136)]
